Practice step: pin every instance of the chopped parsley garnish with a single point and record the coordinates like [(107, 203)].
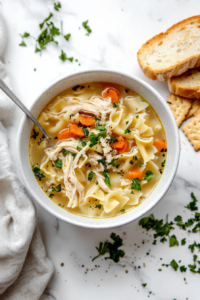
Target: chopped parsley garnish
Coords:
[(75, 88), (107, 179), (141, 164), (102, 161), (22, 44), (59, 204), (78, 148), (127, 130), (65, 152), (25, 35), (98, 206), (112, 140), (91, 175), (86, 26), (127, 122), (148, 176), (83, 143), (169, 102), (183, 242), (154, 242), (35, 134), (174, 265), (111, 248), (113, 163), (51, 195), (163, 240), (119, 173), (57, 188), (64, 57), (114, 104), (183, 269), (144, 284), (192, 268), (37, 172), (100, 127), (131, 162), (93, 139), (192, 205), (195, 257), (132, 192), (173, 241), (122, 210), (57, 6), (58, 163), (136, 185), (137, 116), (86, 131), (67, 36)]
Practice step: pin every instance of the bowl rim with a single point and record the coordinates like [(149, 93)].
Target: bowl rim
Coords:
[(125, 221)]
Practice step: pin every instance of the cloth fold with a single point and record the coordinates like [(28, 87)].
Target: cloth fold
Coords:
[(25, 269)]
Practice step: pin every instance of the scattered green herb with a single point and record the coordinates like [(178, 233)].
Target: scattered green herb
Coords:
[(37, 172), (91, 175), (67, 36), (173, 241), (78, 148), (148, 176), (86, 131), (114, 104), (86, 26), (192, 205), (58, 163), (51, 195), (122, 210), (136, 185), (174, 265), (57, 6), (35, 134), (127, 130), (57, 188)]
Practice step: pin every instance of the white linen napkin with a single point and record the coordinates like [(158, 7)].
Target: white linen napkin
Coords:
[(25, 269)]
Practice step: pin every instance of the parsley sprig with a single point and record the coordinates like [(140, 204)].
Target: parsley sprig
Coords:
[(111, 248)]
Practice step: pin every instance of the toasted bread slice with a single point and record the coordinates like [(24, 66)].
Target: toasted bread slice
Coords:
[(186, 85), (173, 52)]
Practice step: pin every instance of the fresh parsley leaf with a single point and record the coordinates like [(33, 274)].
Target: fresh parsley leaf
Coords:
[(163, 240), (183, 242), (25, 35), (63, 56), (83, 143), (58, 163), (148, 176), (122, 210), (137, 116), (57, 6), (93, 139), (131, 162), (113, 163), (136, 185), (183, 269), (100, 127), (98, 206), (107, 179), (114, 104), (192, 205), (192, 268), (174, 265), (127, 130), (78, 148), (102, 161), (86, 131), (65, 152), (195, 257), (192, 246), (173, 241), (22, 44), (47, 19), (154, 242), (91, 175), (35, 134), (111, 248), (144, 284), (112, 140), (119, 173), (51, 195), (37, 172), (86, 26), (67, 36), (57, 188)]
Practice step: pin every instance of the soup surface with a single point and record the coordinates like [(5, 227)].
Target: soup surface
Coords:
[(109, 150)]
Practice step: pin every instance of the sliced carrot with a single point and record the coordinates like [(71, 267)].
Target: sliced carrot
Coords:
[(87, 121), (76, 130), (119, 144), (159, 144), (135, 174), (64, 134), (124, 148), (112, 93)]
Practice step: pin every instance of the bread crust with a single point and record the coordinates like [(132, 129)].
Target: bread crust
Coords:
[(174, 70), (187, 92)]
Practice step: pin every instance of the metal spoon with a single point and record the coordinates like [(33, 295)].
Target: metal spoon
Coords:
[(10, 94)]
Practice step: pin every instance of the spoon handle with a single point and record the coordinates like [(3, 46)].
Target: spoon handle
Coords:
[(10, 94)]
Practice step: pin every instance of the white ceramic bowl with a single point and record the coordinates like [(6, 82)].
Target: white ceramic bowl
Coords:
[(160, 106)]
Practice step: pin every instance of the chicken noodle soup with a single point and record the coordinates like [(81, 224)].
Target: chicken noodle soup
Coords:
[(108, 154)]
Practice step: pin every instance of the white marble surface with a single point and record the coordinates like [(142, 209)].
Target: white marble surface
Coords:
[(119, 27)]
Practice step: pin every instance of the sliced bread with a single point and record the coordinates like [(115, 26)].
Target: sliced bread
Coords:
[(173, 52), (186, 85)]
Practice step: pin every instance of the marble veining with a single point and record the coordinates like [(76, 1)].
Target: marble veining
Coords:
[(119, 27)]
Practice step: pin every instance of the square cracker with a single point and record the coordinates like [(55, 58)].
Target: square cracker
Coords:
[(192, 130), (180, 107), (195, 106)]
